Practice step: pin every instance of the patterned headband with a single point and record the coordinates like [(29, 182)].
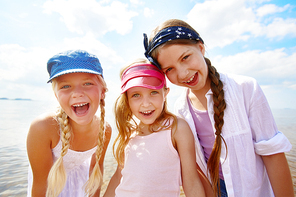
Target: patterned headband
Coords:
[(166, 35)]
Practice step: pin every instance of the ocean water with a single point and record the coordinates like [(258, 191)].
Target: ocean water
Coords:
[(15, 119)]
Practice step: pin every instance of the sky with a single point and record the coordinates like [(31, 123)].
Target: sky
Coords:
[(256, 38)]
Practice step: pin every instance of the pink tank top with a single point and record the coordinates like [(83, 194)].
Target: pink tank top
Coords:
[(152, 167)]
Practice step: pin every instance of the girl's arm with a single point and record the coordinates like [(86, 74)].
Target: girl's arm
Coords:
[(108, 132), (39, 152), (279, 174), (264, 129), (185, 146), (114, 182), (205, 182)]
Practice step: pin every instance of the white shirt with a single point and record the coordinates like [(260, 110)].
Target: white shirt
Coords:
[(76, 165), (249, 131)]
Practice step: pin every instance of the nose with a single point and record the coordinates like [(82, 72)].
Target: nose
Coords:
[(146, 102), (183, 72), (77, 92)]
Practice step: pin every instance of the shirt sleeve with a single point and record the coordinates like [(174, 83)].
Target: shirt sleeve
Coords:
[(267, 139)]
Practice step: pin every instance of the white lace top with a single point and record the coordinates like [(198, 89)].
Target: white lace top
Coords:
[(77, 168)]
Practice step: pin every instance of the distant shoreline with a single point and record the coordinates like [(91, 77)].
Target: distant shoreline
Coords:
[(16, 99)]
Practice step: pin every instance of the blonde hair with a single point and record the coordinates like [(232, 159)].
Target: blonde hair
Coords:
[(127, 125), (57, 176), (218, 97)]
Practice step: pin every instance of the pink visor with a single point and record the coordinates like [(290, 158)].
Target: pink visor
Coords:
[(142, 75)]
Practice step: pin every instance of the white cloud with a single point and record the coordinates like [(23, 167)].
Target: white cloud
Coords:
[(92, 45), (136, 2), (17, 62), (23, 70), (223, 22), (280, 28), (293, 86), (270, 9), (23, 15), (148, 13), (268, 66), (91, 16)]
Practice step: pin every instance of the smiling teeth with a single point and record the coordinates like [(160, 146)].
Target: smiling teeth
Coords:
[(147, 112), (190, 79), (80, 105)]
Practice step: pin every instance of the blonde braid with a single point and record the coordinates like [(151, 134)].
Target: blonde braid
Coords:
[(57, 176), (219, 107), (96, 177)]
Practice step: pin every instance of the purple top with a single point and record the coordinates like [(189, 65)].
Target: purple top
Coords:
[(205, 132)]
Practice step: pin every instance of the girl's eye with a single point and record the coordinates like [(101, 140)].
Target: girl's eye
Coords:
[(135, 95), (65, 87), (185, 57), (88, 83), (167, 70), (154, 92)]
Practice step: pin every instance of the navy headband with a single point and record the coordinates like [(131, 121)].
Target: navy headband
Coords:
[(166, 35)]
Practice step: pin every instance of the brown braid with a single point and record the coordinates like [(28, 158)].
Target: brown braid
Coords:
[(219, 107), (218, 97)]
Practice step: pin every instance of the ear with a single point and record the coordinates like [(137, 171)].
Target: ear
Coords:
[(103, 95), (201, 47), (167, 90), (55, 94), (54, 88)]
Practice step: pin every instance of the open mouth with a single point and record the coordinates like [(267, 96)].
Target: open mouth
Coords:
[(192, 80), (80, 109), (147, 113)]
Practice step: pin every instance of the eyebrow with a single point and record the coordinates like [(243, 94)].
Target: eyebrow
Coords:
[(183, 54), (179, 58)]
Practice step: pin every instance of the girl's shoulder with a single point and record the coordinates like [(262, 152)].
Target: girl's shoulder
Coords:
[(181, 127), (108, 131), (239, 83), (182, 133), (182, 124), (45, 126), (237, 79), (44, 121)]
